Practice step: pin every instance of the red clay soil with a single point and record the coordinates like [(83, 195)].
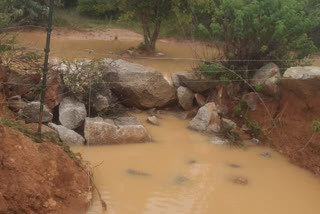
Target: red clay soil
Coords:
[(39, 178), (291, 129)]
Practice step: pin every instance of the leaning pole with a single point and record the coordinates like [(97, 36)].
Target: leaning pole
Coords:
[(45, 65)]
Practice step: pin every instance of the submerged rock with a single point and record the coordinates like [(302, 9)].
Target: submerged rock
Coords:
[(240, 180), (121, 130), (266, 155), (136, 172), (67, 136), (181, 179), (185, 98), (72, 113), (138, 86), (30, 113), (233, 165), (207, 119)]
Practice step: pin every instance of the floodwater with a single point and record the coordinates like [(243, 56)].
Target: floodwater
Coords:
[(179, 55), (188, 175), (181, 172)]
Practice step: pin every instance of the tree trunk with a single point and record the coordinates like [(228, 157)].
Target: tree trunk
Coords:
[(150, 40)]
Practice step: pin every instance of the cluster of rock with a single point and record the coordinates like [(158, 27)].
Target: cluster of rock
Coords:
[(203, 100)]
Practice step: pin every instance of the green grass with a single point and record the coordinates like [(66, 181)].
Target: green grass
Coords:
[(35, 136), (71, 19)]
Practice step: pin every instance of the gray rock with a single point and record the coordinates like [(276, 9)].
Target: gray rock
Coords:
[(207, 119), (121, 130), (67, 136), (255, 141), (30, 113), (138, 86), (101, 103), (218, 140), (303, 81), (268, 78), (71, 113), (251, 99), (15, 103), (185, 97), (194, 80), (153, 120), (228, 125)]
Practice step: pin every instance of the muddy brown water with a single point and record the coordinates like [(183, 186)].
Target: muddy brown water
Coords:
[(181, 172)]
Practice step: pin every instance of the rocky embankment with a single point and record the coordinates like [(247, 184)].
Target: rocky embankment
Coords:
[(88, 102)]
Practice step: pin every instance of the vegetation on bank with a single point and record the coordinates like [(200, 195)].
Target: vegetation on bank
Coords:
[(283, 30)]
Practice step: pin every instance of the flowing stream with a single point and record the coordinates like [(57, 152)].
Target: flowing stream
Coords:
[(181, 172)]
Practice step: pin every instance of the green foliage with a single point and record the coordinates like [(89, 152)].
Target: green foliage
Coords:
[(16, 125), (213, 70), (241, 108), (254, 127), (263, 29), (24, 11), (83, 77), (151, 14), (315, 125), (99, 8), (258, 88)]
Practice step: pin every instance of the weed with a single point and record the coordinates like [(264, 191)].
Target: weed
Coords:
[(258, 88), (254, 127), (241, 108), (315, 125)]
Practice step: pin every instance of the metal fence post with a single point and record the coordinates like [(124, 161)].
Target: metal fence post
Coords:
[(45, 66)]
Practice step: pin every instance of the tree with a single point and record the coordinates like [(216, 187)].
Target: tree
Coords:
[(24, 11), (99, 8), (263, 30), (151, 14)]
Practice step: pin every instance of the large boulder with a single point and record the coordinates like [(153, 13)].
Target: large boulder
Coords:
[(194, 80), (121, 130), (207, 119), (30, 113), (304, 81), (268, 78), (72, 113), (67, 136), (185, 97), (21, 84), (137, 85)]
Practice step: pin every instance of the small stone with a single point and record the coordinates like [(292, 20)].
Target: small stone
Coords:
[(255, 141), (201, 100), (153, 120), (218, 141), (228, 124), (240, 180), (266, 155)]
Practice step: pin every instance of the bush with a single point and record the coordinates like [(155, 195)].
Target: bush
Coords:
[(263, 30), (99, 8)]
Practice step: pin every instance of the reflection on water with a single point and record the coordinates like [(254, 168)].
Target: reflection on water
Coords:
[(274, 185)]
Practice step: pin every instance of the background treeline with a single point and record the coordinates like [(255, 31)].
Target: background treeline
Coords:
[(288, 30)]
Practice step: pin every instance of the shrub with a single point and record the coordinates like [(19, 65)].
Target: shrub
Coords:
[(315, 125), (263, 29), (99, 8), (254, 127)]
